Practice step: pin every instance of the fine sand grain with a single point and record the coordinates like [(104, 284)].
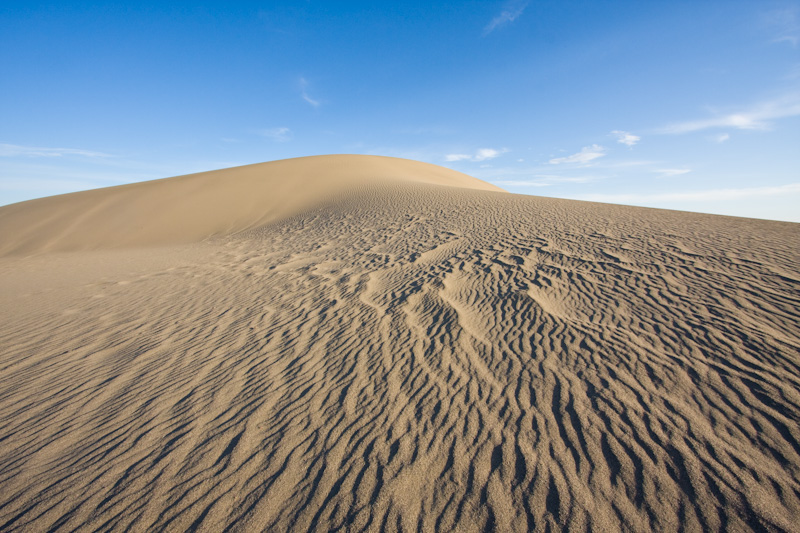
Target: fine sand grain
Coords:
[(362, 343)]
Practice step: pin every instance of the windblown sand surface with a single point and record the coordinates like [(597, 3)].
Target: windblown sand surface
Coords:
[(362, 343)]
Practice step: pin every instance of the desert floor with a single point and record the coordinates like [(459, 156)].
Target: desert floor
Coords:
[(398, 354)]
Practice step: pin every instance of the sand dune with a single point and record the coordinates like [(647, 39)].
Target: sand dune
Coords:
[(195, 207), (383, 345)]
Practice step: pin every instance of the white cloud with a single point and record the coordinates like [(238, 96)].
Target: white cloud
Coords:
[(482, 154), (626, 138), (722, 137), (304, 93), (281, 134), (757, 117), (715, 195), (488, 153), (671, 172), (511, 11), (587, 154), (12, 150)]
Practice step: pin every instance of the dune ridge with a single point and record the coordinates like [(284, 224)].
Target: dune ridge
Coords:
[(194, 207), (410, 355)]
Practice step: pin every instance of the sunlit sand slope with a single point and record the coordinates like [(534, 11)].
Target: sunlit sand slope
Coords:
[(410, 356), (194, 207)]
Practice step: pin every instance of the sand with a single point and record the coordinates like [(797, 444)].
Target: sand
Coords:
[(362, 343)]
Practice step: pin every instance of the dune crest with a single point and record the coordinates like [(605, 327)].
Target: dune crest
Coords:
[(413, 354), (198, 206)]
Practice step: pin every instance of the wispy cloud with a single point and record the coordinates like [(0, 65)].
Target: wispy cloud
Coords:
[(715, 195), (671, 172), (522, 183), (757, 117), (304, 93), (482, 154), (568, 179), (626, 138), (545, 180), (49, 186), (281, 134), (14, 150), (510, 12), (722, 137), (587, 154), (624, 164), (784, 23)]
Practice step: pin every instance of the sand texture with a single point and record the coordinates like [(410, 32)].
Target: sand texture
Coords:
[(354, 343)]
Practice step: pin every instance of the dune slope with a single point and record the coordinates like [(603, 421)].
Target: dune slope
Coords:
[(197, 206), (411, 355)]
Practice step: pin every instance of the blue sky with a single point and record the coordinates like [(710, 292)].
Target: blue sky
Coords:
[(682, 105)]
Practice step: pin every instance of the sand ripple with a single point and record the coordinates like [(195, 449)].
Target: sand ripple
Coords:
[(412, 358)]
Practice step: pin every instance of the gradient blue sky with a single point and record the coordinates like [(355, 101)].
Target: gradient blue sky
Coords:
[(682, 105)]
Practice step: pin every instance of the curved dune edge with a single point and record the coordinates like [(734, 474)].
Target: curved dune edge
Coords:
[(197, 206)]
